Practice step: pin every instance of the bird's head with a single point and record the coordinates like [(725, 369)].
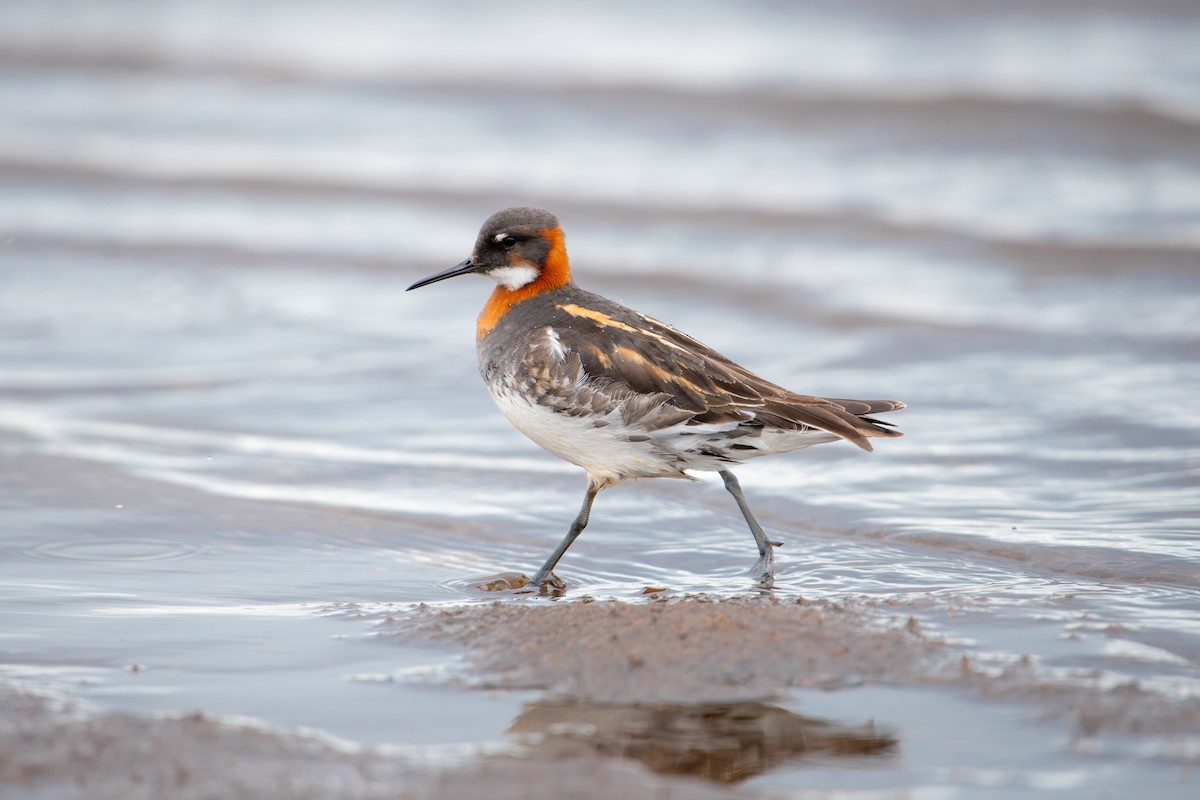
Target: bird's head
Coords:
[(519, 248)]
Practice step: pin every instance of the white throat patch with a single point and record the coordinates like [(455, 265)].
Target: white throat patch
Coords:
[(513, 277)]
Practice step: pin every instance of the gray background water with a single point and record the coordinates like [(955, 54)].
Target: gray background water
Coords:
[(219, 410)]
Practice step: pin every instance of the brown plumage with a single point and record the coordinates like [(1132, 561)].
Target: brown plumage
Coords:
[(621, 394)]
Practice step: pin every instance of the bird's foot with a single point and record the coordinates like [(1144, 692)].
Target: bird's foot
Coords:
[(764, 568), (548, 583)]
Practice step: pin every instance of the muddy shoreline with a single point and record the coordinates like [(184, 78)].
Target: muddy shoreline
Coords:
[(669, 696)]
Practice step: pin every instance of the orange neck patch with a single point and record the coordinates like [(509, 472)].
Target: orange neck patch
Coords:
[(555, 272)]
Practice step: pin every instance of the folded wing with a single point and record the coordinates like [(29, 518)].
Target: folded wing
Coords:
[(643, 356)]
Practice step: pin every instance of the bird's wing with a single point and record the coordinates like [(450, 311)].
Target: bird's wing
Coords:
[(635, 352)]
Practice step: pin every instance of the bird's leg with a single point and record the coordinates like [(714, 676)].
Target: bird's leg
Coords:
[(545, 576), (766, 563)]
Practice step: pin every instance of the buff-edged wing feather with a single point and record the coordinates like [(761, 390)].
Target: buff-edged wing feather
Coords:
[(623, 348)]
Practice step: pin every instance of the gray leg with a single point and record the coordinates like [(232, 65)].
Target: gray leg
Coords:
[(766, 563), (545, 576)]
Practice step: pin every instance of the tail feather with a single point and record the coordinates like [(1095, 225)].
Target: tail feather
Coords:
[(863, 407), (845, 418)]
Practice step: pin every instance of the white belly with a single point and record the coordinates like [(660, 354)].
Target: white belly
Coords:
[(606, 452)]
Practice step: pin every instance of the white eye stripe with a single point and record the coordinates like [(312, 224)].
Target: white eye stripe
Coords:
[(499, 237)]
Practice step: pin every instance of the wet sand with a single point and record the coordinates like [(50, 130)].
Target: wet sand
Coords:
[(670, 648), (663, 697), (679, 685)]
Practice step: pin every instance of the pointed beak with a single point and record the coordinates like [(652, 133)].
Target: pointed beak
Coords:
[(464, 267)]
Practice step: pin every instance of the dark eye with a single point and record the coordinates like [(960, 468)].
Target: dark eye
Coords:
[(508, 242)]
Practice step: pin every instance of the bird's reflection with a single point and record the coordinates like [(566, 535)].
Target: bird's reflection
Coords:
[(724, 742)]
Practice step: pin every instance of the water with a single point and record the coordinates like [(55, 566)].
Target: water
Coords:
[(220, 412)]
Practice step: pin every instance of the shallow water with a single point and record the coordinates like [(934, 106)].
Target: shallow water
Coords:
[(220, 412)]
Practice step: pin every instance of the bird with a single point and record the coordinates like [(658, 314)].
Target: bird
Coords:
[(623, 395)]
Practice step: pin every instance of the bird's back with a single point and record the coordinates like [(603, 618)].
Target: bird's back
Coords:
[(593, 381)]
